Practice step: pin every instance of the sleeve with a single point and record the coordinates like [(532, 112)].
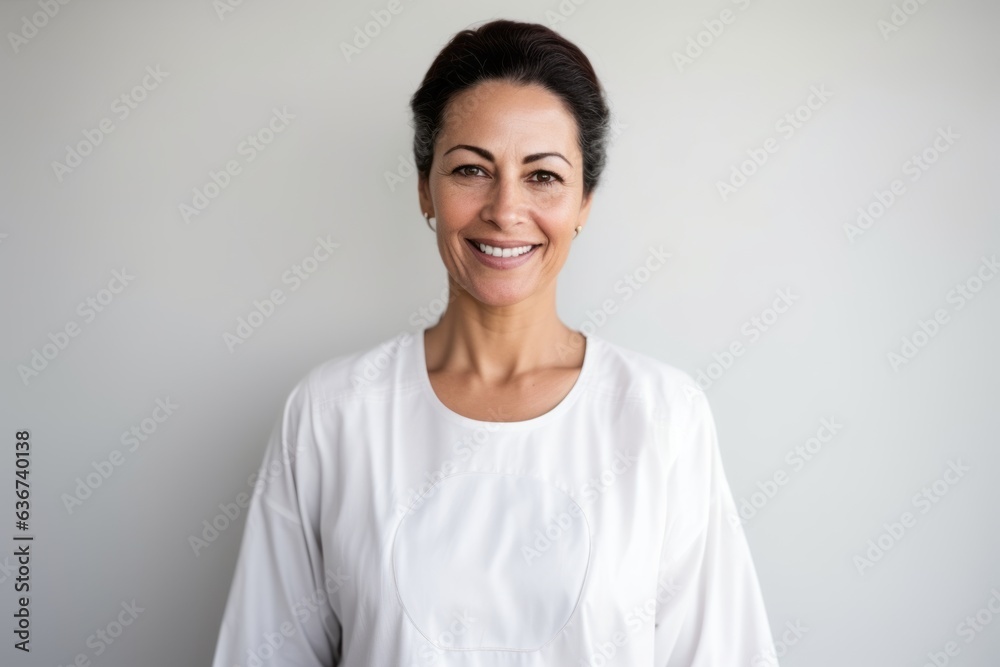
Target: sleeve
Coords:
[(278, 611), (715, 615)]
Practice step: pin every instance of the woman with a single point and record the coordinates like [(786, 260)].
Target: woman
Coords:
[(497, 489)]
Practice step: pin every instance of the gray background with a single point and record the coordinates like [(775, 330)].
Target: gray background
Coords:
[(679, 131)]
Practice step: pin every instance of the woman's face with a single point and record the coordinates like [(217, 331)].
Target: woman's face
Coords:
[(507, 172)]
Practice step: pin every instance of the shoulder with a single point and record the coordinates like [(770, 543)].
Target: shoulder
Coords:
[(642, 376), (359, 376), (664, 393), (364, 373)]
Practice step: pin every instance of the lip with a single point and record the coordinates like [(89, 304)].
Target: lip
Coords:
[(501, 262), (504, 244)]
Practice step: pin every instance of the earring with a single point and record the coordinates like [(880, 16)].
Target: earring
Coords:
[(577, 231), (427, 217)]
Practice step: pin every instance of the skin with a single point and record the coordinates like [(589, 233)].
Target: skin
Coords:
[(500, 352)]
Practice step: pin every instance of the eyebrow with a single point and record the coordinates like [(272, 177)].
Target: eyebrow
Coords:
[(489, 156)]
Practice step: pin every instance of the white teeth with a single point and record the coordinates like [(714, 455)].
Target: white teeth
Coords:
[(503, 252)]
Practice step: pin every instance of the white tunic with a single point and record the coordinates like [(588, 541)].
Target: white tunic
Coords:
[(387, 530)]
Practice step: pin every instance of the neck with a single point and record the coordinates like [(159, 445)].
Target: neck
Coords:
[(498, 342)]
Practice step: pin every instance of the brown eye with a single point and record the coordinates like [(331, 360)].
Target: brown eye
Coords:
[(461, 171), (550, 178)]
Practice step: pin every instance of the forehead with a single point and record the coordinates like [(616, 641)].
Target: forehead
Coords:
[(501, 112)]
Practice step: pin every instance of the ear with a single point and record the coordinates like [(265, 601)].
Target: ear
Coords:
[(424, 194), (588, 199)]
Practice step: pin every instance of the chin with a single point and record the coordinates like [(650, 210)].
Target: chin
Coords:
[(501, 295)]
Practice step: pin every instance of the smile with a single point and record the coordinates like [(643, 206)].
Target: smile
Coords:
[(501, 258), (502, 252)]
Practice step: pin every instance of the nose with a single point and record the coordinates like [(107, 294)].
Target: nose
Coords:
[(505, 206)]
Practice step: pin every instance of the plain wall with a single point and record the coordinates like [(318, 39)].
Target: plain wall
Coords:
[(857, 290)]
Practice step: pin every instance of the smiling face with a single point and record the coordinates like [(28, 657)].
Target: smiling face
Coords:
[(507, 174)]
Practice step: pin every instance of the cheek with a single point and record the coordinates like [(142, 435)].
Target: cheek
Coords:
[(558, 208), (458, 201), (560, 199)]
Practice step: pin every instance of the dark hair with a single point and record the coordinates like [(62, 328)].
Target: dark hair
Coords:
[(521, 53)]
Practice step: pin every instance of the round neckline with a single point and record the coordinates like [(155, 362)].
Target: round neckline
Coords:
[(565, 404)]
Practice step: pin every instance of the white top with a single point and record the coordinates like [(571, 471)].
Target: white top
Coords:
[(387, 530)]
